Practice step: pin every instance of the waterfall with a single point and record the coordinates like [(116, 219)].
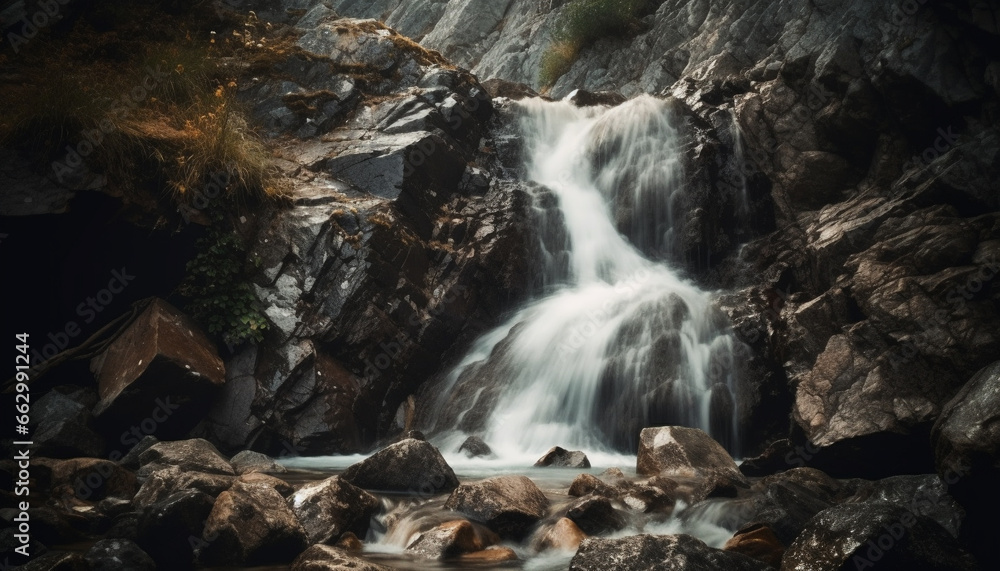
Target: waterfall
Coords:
[(620, 341)]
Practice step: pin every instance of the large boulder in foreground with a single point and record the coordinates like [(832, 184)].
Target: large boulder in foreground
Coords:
[(118, 554), (194, 455), (411, 466), (331, 507), (509, 505), (161, 371), (657, 552), (250, 524), (678, 451), (966, 441), (165, 529), (874, 535), (326, 558)]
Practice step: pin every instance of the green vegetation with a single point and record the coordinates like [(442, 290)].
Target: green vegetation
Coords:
[(221, 296), (581, 22)]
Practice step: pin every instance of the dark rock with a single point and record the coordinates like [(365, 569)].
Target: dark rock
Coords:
[(509, 505), (858, 534), (687, 452), (966, 441), (91, 479), (248, 461), (772, 459), (57, 561), (923, 495), (326, 558), (117, 554), (411, 466), (415, 435), (332, 507), (448, 540), (786, 502), (64, 426), (584, 98), (161, 367), (646, 552), (587, 484), (171, 529), (163, 483), (515, 91), (475, 447), (280, 486), (758, 542), (195, 455), (596, 516), (250, 524), (8, 543), (131, 458), (563, 458)]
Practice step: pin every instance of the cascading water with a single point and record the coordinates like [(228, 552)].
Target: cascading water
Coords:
[(620, 341)]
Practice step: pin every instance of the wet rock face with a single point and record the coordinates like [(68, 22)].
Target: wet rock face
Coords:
[(643, 552), (852, 535), (686, 452), (332, 507), (411, 466), (509, 505), (327, 558), (195, 455)]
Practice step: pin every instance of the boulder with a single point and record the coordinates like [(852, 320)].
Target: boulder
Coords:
[(64, 425), (786, 502), (57, 561), (859, 535), (249, 461), (646, 552), (584, 98), (171, 529), (966, 441), (281, 486), (596, 516), (333, 507), (411, 466), (684, 452), (448, 540), (564, 535), (131, 458), (509, 505), (251, 524), (925, 495), (759, 542), (161, 371), (494, 554), (588, 484), (474, 447), (163, 483), (327, 558), (117, 554), (195, 455), (562, 458), (91, 479)]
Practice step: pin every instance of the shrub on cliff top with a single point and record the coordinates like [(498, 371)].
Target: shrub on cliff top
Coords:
[(581, 22)]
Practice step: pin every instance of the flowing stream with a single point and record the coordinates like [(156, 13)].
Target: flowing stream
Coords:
[(619, 341)]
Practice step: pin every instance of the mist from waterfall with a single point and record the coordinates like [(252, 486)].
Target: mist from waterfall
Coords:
[(620, 341)]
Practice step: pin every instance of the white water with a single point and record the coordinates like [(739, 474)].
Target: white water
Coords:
[(623, 342)]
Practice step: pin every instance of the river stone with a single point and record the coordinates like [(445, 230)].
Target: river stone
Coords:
[(332, 507), (509, 505), (250, 524), (759, 542), (411, 466), (327, 558), (657, 553), (450, 539), (165, 529), (562, 458), (474, 447), (195, 455), (64, 425), (249, 461), (281, 486), (878, 534), (163, 483), (684, 452), (589, 484), (118, 554), (564, 535), (596, 516)]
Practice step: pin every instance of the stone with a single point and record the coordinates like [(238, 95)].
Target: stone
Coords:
[(250, 524), (565, 535), (645, 552), (562, 458), (131, 458), (474, 447), (494, 554), (329, 508), (685, 452), (411, 466), (64, 426), (758, 542), (279, 485), (589, 484), (858, 534), (57, 561), (249, 461), (163, 483), (448, 540), (91, 479), (596, 515), (116, 554), (584, 98), (509, 505), (195, 455), (162, 370), (170, 530), (327, 558)]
